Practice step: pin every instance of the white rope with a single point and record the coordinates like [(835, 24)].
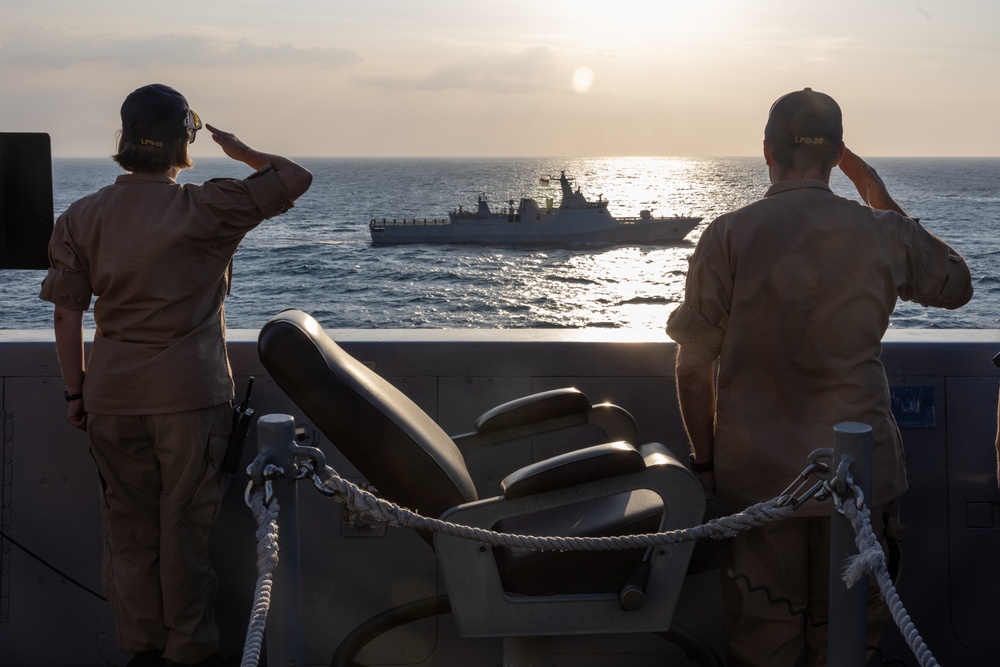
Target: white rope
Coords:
[(382, 510), (267, 561), (870, 558)]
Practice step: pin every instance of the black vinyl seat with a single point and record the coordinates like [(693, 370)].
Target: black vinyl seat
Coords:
[(615, 488)]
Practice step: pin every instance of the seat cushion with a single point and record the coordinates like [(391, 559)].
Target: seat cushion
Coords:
[(529, 572), (571, 468), (535, 408), (384, 434)]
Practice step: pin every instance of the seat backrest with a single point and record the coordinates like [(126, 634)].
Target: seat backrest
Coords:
[(385, 435)]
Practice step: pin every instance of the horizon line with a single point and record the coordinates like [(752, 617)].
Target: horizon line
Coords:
[(546, 157)]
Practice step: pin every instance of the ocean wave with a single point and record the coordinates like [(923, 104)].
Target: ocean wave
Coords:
[(319, 256)]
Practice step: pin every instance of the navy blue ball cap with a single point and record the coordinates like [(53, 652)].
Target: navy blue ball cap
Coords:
[(805, 117), (154, 114)]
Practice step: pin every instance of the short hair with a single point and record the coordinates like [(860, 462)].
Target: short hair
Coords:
[(152, 157), (799, 157)]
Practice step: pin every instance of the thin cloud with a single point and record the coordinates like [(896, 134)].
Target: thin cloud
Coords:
[(63, 49), (529, 71)]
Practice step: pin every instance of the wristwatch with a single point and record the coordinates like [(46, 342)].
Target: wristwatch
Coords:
[(72, 397)]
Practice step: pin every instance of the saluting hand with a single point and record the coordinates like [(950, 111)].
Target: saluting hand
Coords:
[(295, 178), (231, 144), (870, 185), (863, 175)]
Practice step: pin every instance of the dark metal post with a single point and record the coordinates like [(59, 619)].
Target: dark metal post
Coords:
[(848, 606), (276, 437)]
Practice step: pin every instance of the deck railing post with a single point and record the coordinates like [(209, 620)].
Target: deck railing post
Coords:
[(848, 606), (276, 437)]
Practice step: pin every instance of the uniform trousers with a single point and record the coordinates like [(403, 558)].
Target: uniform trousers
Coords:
[(791, 558), (160, 497)]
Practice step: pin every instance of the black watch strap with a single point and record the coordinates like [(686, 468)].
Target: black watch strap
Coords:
[(72, 397)]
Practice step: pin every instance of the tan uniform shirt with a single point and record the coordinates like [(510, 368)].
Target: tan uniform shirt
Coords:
[(793, 293), (156, 254)]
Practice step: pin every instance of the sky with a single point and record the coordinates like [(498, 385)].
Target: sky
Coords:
[(497, 78)]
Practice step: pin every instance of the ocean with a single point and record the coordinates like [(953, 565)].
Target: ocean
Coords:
[(319, 258)]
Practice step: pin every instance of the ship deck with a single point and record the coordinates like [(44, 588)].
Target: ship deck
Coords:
[(945, 397)]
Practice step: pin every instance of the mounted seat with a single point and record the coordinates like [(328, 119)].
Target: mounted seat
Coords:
[(615, 488)]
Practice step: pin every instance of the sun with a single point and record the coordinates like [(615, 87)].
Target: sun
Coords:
[(583, 79)]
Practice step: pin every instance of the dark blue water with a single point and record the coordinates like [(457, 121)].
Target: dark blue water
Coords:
[(318, 257)]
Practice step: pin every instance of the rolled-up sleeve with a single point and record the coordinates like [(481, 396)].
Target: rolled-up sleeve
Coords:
[(700, 322), (689, 328), (935, 275), (236, 206), (267, 192), (67, 283)]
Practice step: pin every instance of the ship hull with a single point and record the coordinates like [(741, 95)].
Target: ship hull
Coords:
[(493, 231), (576, 221)]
